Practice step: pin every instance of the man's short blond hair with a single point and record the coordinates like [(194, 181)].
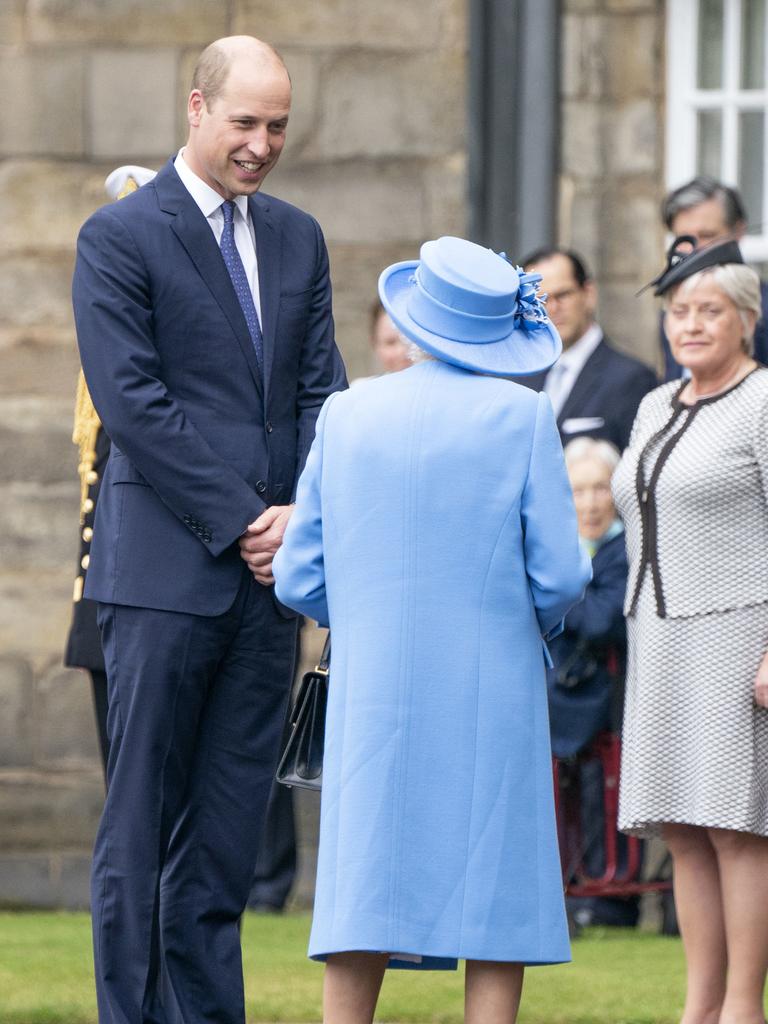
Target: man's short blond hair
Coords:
[(214, 64)]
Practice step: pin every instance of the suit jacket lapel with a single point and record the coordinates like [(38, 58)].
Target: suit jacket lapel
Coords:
[(193, 231), (584, 384), (268, 256)]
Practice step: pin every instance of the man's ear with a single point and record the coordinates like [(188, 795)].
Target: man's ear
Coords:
[(195, 105), (590, 291)]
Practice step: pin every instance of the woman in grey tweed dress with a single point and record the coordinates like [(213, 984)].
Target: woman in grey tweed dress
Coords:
[(692, 488)]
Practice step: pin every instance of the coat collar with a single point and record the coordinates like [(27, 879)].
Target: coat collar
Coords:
[(193, 231)]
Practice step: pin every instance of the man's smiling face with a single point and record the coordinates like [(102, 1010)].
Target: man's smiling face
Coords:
[(235, 143)]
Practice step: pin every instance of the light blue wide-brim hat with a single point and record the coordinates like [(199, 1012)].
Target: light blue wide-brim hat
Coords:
[(470, 306)]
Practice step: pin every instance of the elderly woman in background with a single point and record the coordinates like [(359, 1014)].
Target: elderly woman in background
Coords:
[(586, 681), (692, 489), (581, 684), (434, 531)]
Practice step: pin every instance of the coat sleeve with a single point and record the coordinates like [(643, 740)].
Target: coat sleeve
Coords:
[(557, 566), (114, 314), (599, 616), (299, 565), (321, 370)]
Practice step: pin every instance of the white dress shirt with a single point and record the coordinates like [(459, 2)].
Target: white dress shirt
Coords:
[(563, 375), (210, 202)]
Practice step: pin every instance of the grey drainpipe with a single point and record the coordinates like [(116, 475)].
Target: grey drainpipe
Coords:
[(514, 85)]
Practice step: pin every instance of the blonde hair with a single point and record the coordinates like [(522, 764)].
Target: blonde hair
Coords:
[(742, 286), (583, 448)]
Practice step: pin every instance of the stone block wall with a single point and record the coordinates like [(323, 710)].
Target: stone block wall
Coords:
[(375, 150), (612, 160)]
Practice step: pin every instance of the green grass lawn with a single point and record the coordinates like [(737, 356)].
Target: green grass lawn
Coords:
[(617, 977)]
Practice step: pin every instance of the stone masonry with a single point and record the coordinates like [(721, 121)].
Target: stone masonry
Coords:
[(376, 150), (612, 160)]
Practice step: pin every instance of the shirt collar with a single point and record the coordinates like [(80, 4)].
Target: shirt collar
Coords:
[(575, 357), (207, 198)]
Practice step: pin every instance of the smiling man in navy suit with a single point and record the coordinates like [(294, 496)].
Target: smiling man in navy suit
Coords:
[(594, 389), (203, 313)]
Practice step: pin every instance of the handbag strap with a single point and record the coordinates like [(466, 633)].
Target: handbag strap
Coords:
[(325, 658)]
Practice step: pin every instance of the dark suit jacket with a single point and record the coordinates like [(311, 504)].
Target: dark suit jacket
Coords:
[(607, 392), (594, 629), (673, 370), (201, 443)]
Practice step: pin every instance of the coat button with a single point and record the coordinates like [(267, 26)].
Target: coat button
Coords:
[(92, 477), (85, 561), (260, 487), (269, 427), (87, 534), (88, 505)]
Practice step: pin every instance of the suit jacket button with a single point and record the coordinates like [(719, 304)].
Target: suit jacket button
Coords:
[(269, 427), (260, 487)]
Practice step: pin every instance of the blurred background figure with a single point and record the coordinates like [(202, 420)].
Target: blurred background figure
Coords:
[(390, 348), (594, 389), (708, 211), (83, 648), (691, 489), (586, 683)]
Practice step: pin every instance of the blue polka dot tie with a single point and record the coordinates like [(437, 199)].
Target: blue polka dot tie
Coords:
[(237, 272)]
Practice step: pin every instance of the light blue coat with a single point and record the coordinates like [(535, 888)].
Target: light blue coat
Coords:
[(435, 532)]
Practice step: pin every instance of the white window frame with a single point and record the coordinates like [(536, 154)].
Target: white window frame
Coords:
[(684, 100)]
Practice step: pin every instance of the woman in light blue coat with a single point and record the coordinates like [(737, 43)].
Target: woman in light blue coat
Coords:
[(434, 531)]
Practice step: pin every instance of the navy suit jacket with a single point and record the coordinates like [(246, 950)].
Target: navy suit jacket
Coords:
[(201, 442), (605, 396), (673, 370), (593, 628)]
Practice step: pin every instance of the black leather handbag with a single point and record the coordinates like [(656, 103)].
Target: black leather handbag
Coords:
[(301, 763)]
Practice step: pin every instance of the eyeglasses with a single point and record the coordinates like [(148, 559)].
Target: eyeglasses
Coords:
[(562, 296)]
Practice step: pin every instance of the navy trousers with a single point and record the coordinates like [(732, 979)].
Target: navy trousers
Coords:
[(196, 708)]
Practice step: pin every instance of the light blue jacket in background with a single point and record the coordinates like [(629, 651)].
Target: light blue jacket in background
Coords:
[(435, 532)]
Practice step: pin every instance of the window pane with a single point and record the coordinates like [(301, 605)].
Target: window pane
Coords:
[(751, 134), (710, 51), (753, 44), (710, 132)]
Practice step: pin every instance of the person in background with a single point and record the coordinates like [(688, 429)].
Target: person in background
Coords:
[(692, 489), (437, 833), (594, 389), (708, 211), (83, 648), (389, 346), (586, 681)]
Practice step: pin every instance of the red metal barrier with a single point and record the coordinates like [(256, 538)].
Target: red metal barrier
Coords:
[(606, 749)]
